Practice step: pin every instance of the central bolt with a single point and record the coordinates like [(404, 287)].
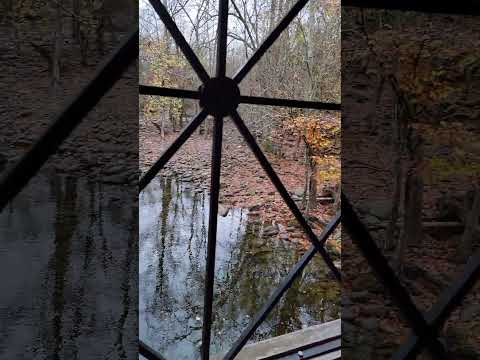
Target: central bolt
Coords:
[(219, 96)]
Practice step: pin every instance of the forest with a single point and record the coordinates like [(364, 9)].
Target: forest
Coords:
[(410, 160)]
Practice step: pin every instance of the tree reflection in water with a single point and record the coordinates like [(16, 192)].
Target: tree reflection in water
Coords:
[(70, 243), (173, 239)]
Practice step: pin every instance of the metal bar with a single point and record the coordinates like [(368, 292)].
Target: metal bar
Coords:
[(257, 55), (283, 192), (180, 40), (379, 263), (171, 150), (168, 92), (68, 119), (466, 7), (282, 288), (147, 352), (312, 351), (221, 63), (222, 38), (257, 100), (448, 301), (253, 100), (212, 237)]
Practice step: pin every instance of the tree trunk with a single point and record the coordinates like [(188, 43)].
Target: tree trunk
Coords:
[(338, 197), (76, 20), (412, 231), (57, 52), (466, 245), (413, 210), (307, 179), (397, 184), (312, 188)]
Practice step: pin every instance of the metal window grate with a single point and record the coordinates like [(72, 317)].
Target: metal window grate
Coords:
[(212, 89)]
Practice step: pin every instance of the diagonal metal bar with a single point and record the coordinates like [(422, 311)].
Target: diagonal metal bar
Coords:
[(280, 291), (448, 301), (180, 40), (257, 100), (68, 119), (171, 150), (147, 352), (212, 237), (257, 55), (168, 92), (251, 142), (379, 263), (466, 7)]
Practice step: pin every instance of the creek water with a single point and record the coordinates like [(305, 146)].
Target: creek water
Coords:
[(68, 257), (173, 238)]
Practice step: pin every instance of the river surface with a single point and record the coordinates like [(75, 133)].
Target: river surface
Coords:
[(173, 237), (68, 262)]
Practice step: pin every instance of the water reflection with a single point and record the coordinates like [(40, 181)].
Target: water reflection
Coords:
[(67, 248), (173, 237)]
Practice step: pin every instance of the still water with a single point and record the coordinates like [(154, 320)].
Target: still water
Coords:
[(173, 237), (67, 259)]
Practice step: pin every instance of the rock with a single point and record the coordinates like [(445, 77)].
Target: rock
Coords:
[(378, 208), (297, 192), (366, 281), (223, 210), (471, 312), (369, 324), (258, 242), (371, 220), (116, 179), (270, 230), (115, 169), (359, 296)]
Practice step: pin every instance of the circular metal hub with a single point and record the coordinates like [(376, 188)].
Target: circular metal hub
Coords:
[(219, 96)]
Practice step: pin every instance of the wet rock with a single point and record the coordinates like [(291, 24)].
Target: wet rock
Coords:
[(223, 210)]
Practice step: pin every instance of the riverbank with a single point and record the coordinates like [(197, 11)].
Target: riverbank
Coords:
[(244, 184)]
